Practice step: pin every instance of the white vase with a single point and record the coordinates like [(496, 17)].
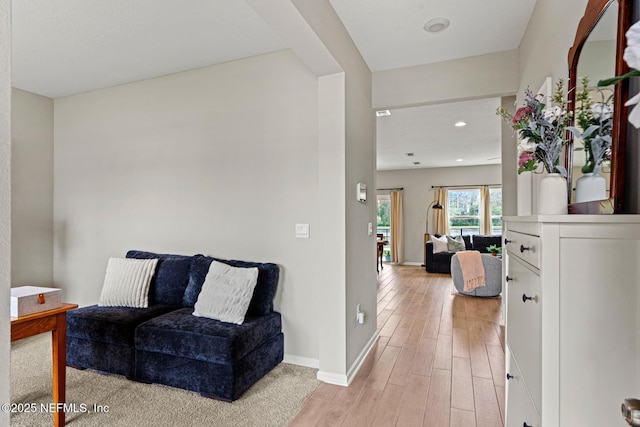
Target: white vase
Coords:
[(552, 195), (590, 187)]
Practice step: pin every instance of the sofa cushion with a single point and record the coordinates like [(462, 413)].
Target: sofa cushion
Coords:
[(481, 243), (226, 293), (171, 278), (456, 245), (179, 333), (466, 238), (439, 244), (263, 294), (114, 325), (126, 282)]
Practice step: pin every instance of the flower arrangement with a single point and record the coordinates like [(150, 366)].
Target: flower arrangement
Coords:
[(595, 123), (541, 130)]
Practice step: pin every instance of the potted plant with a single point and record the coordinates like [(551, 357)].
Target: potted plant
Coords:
[(495, 250)]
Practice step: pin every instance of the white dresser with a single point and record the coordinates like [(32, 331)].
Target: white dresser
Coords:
[(572, 319)]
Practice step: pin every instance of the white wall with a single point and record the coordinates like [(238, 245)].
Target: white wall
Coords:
[(418, 194), (483, 76), (222, 160), (509, 153), (5, 202), (32, 189), (545, 46)]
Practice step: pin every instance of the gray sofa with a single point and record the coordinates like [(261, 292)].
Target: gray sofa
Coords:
[(493, 276)]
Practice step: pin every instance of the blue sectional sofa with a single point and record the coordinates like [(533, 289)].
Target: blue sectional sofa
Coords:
[(441, 262), (166, 344)]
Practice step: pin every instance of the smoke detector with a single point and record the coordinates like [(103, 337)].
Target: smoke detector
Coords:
[(436, 25)]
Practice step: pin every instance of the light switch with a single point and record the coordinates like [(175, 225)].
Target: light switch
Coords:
[(370, 229), (302, 231)]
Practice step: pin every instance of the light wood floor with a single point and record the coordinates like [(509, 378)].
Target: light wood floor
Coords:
[(439, 361)]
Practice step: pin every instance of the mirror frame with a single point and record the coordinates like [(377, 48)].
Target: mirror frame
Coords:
[(593, 12)]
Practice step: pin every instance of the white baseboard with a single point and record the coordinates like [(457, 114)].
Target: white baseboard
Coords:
[(419, 263), (333, 378), (345, 380), (351, 374), (301, 361)]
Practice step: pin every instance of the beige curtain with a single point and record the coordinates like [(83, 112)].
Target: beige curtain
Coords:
[(441, 216), (485, 210), (397, 254)]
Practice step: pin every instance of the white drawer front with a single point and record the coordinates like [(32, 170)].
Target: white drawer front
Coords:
[(523, 324), (523, 246), (520, 408)]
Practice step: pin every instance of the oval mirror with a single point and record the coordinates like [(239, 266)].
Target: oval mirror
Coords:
[(595, 174)]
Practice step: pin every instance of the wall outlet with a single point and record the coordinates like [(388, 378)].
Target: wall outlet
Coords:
[(359, 315)]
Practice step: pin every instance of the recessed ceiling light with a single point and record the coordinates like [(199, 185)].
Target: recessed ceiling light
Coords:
[(436, 25), (382, 113), (459, 160), (460, 124)]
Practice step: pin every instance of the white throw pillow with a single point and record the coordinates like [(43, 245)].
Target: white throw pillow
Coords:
[(440, 244), (127, 282), (456, 245), (226, 293)]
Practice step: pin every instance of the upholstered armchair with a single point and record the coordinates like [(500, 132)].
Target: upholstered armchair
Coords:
[(493, 276)]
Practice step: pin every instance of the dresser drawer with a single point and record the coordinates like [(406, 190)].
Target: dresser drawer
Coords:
[(523, 246), (520, 409), (523, 323)]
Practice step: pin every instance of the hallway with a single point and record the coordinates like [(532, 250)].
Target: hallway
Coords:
[(438, 362)]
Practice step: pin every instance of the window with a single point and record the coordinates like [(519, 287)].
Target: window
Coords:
[(496, 210), (384, 222), (465, 207), (464, 211)]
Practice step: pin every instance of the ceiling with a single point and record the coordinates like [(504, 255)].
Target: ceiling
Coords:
[(84, 45), (389, 33), (90, 44), (429, 132)]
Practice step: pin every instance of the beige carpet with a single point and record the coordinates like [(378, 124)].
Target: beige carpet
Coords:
[(272, 401)]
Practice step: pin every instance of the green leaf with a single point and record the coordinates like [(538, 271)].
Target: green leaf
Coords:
[(614, 80)]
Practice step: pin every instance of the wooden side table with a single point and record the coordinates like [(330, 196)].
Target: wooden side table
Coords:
[(380, 253), (55, 321)]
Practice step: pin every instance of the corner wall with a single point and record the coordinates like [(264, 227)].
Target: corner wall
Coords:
[(359, 284), (221, 160), (32, 189), (5, 204)]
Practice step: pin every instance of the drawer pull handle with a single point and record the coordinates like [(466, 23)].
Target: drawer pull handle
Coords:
[(507, 241), (525, 298), (509, 376), (508, 279), (523, 248), (524, 424)]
